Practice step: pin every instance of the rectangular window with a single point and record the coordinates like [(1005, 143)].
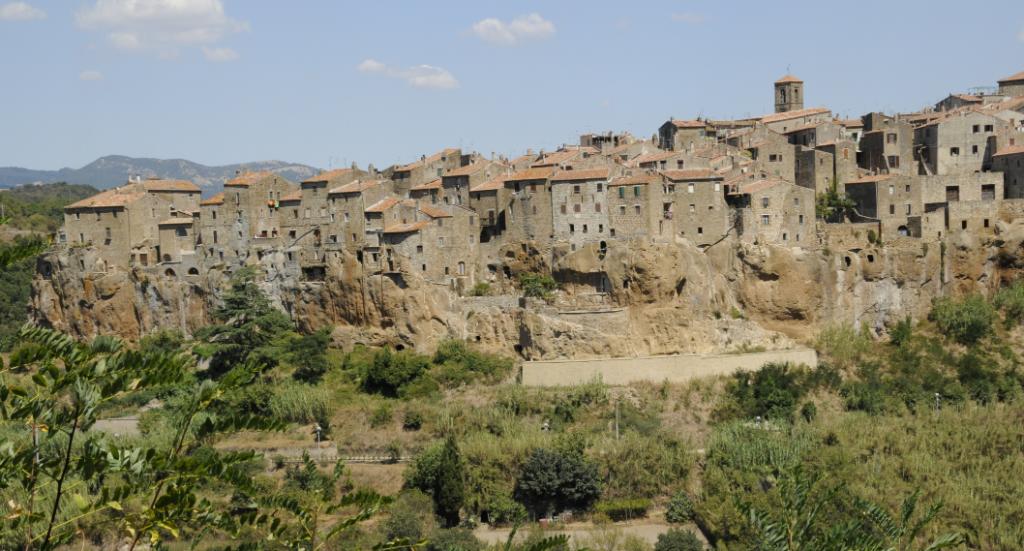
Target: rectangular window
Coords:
[(576, 207), (989, 128), (954, 151), (765, 219), (892, 209), (584, 228), (576, 190), (908, 209), (801, 218), (572, 228), (636, 191), (636, 209), (689, 188), (765, 202), (974, 149), (622, 192), (597, 207), (600, 187), (622, 210), (563, 208), (976, 128), (693, 208), (894, 161), (890, 138)]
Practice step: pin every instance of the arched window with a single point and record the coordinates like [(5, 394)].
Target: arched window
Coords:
[(902, 230), (167, 258), (169, 272), (193, 271)]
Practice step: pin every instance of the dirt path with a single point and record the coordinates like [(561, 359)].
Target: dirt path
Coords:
[(582, 532)]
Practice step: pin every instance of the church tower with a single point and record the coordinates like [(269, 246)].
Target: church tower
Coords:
[(789, 94)]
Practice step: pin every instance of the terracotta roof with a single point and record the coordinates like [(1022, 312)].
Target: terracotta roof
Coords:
[(758, 185), (490, 185), (852, 123), (776, 117), (407, 228), (691, 174), (176, 222), (801, 128), (787, 78), (168, 185), (966, 97), (433, 184), (383, 205), (1013, 78), (247, 179), (434, 212), (435, 157), (558, 157), (1009, 150), (328, 176), (688, 123), (466, 170), (111, 198), (653, 157), (869, 179), (635, 180), (215, 200), (578, 175), (357, 186), (291, 196), (539, 173)]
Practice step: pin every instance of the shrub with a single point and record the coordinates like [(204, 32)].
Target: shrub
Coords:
[(388, 372), (624, 509), (967, 320), (808, 411), (481, 289), (413, 420), (1011, 301), (308, 353), (680, 508), (901, 332), (552, 481), (412, 517), (454, 539), (537, 285), (677, 539), (844, 344), (503, 510), (381, 415), (771, 392)]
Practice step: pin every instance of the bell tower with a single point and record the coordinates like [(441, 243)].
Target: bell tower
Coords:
[(789, 94)]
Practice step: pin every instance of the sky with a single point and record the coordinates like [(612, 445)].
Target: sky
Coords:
[(327, 83)]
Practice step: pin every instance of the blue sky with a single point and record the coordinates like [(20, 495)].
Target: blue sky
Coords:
[(328, 82)]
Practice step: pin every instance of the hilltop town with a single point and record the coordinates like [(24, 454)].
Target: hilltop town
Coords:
[(726, 219)]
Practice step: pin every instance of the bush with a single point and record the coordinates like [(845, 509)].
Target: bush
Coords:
[(771, 392), (413, 420), (680, 508), (967, 320), (412, 517), (1011, 301), (844, 344), (454, 539), (388, 372), (503, 510), (678, 540), (481, 289), (901, 332), (624, 509), (537, 285), (808, 411), (381, 415), (308, 353), (552, 481)]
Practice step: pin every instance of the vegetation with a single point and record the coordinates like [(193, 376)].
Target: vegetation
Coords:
[(554, 480), (537, 285), (832, 205)]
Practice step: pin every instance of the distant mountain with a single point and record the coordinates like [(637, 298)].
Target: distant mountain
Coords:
[(114, 170)]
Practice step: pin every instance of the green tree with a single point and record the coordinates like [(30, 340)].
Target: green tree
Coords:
[(537, 285), (308, 353), (552, 480), (677, 539), (967, 320), (449, 486)]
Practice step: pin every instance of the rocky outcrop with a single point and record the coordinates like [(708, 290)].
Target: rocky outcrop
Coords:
[(628, 299)]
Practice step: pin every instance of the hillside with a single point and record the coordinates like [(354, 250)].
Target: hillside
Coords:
[(114, 170)]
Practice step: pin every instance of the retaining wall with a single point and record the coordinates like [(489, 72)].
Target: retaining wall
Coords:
[(674, 369)]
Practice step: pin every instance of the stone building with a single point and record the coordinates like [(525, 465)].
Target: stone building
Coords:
[(630, 200), (789, 94), (579, 202), (456, 183), (489, 200), (426, 169), (772, 153), (785, 121), (693, 206), (1009, 161), (680, 135), (815, 169), (347, 204), (528, 213), (957, 142), (774, 211), (1012, 85), (895, 200), (887, 146), (428, 191)]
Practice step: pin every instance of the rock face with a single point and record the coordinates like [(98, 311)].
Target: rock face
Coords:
[(629, 299)]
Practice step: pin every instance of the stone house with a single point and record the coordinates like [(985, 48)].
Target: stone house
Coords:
[(1010, 161), (252, 201), (693, 206), (630, 197), (528, 212), (346, 205), (810, 135), (1012, 85), (579, 206), (956, 101), (426, 169), (958, 142), (428, 191), (668, 160), (789, 94), (815, 169), (215, 230), (456, 183), (680, 135), (895, 200), (772, 153), (844, 160), (439, 243), (853, 129), (887, 146), (775, 212), (177, 245), (785, 121), (489, 200)]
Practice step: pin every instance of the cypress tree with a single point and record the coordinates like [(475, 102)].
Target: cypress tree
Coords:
[(449, 491)]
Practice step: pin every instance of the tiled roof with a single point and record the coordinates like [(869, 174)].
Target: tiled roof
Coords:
[(292, 196), (578, 175), (538, 173), (357, 186), (758, 185), (691, 174), (111, 198), (383, 205), (635, 180), (433, 184), (490, 185), (787, 78), (1009, 150), (176, 222), (869, 179), (407, 228), (215, 200), (654, 157), (466, 170), (556, 158), (328, 176), (1013, 78), (777, 117), (247, 179), (852, 123), (434, 212), (435, 157), (169, 185), (688, 123)]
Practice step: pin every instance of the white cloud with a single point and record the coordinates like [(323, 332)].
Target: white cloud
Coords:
[(418, 76), (90, 75), (220, 54), (163, 26), (689, 17), (20, 11), (520, 29)]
